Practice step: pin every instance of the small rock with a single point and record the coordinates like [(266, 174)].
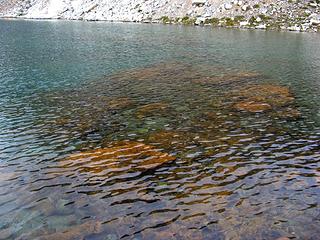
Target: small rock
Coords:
[(227, 6), (294, 28), (313, 4), (200, 21), (261, 26), (244, 23), (245, 8)]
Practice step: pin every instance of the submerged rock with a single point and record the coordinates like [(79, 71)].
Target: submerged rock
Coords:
[(228, 78), (260, 98), (288, 113), (151, 109), (171, 139), (251, 106), (120, 103), (119, 156), (156, 71), (75, 232)]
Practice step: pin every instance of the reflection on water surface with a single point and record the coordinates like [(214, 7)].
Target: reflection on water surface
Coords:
[(168, 150)]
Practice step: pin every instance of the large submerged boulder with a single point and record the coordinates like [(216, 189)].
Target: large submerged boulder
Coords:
[(152, 109), (261, 98), (73, 232), (120, 103), (252, 106), (228, 78), (119, 156)]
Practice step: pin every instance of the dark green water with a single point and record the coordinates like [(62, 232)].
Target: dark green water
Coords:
[(84, 106)]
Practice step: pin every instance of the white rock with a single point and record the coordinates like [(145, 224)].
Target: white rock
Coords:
[(244, 23), (305, 26), (261, 26), (198, 2), (245, 8), (313, 4), (294, 28), (227, 6), (314, 21), (263, 10), (200, 21)]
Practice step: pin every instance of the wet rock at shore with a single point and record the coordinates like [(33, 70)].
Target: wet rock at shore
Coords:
[(119, 156)]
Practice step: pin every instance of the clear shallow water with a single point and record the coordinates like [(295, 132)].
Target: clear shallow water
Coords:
[(85, 108)]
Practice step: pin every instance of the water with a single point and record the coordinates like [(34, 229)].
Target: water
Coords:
[(128, 131)]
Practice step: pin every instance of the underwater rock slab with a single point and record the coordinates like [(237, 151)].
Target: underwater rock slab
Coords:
[(119, 156), (288, 113), (75, 232), (251, 106), (228, 78), (120, 103), (167, 72), (151, 72), (260, 98), (151, 109), (171, 139)]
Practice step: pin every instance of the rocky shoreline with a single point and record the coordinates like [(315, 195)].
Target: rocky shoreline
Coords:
[(288, 15)]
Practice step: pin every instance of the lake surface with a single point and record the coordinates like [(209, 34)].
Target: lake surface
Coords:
[(129, 131)]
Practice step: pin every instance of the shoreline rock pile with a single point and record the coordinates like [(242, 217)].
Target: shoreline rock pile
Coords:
[(291, 15)]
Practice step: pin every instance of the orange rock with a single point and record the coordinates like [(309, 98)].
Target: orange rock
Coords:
[(160, 70), (288, 113), (252, 106), (119, 103), (151, 109), (259, 98), (169, 139), (274, 95), (227, 78), (120, 155)]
